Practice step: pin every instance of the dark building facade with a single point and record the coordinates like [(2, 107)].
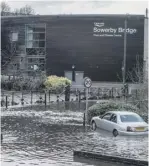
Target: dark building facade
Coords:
[(90, 45)]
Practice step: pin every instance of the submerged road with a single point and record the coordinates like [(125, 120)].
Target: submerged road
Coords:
[(48, 138)]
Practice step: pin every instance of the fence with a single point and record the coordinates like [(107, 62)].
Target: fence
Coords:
[(76, 101)]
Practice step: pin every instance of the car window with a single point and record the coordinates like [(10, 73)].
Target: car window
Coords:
[(131, 118), (113, 118), (107, 116)]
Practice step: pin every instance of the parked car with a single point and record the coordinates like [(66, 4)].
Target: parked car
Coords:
[(121, 123)]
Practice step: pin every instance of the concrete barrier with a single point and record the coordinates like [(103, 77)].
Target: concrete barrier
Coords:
[(95, 155)]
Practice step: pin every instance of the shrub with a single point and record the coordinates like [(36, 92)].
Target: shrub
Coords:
[(105, 106), (55, 83), (7, 85), (27, 83)]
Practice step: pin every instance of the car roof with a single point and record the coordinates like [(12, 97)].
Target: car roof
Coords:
[(122, 112)]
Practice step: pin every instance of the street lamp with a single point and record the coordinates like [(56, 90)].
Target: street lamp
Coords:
[(73, 73)]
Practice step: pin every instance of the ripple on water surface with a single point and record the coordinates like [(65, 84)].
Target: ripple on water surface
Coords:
[(49, 138)]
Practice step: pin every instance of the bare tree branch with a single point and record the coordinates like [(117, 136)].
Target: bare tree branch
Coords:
[(5, 9)]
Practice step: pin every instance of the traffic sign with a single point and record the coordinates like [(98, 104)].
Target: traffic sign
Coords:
[(87, 82)]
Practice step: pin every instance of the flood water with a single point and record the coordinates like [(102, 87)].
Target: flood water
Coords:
[(48, 138)]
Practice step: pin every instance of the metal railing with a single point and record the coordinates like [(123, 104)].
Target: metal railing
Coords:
[(76, 96)]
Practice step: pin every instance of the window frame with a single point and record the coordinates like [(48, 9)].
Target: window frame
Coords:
[(105, 115), (112, 117)]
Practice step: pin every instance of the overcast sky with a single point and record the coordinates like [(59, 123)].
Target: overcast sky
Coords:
[(83, 7)]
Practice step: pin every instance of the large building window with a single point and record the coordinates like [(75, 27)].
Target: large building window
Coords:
[(35, 46), (35, 36), (36, 60), (35, 51)]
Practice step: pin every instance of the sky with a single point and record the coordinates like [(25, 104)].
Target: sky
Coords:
[(82, 7)]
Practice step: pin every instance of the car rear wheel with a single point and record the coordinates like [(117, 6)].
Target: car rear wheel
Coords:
[(94, 126), (115, 133)]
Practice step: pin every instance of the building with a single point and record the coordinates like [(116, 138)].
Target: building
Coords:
[(74, 46)]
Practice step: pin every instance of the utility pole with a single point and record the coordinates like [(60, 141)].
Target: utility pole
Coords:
[(125, 56), (125, 50)]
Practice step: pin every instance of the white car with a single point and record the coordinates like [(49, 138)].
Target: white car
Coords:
[(121, 123)]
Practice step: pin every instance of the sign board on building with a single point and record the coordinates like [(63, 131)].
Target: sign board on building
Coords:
[(102, 30)]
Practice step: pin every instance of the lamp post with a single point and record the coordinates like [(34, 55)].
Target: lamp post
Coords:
[(125, 51), (73, 73)]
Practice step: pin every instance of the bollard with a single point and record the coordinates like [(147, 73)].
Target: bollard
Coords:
[(76, 97), (67, 97), (67, 93), (49, 96), (57, 102), (22, 101), (1, 137), (6, 101), (45, 99), (84, 120), (31, 97), (12, 98), (98, 93), (79, 96), (57, 98), (112, 92), (40, 98)]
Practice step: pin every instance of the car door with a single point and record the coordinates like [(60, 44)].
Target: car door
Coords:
[(113, 122), (98, 122), (105, 121)]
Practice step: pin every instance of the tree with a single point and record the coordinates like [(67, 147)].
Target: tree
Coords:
[(8, 47), (5, 9), (17, 12), (26, 10), (137, 76)]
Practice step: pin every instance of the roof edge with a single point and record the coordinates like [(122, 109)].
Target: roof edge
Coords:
[(76, 15)]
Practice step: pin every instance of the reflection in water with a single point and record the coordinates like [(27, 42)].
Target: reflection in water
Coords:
[(49, 138)]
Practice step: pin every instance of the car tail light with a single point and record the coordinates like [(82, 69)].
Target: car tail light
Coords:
[(129, 129)]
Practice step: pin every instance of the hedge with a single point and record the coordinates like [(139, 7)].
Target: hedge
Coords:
[(105, 106)]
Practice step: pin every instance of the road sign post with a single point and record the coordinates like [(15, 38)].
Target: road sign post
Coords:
[(87, 89), (87, 84)]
